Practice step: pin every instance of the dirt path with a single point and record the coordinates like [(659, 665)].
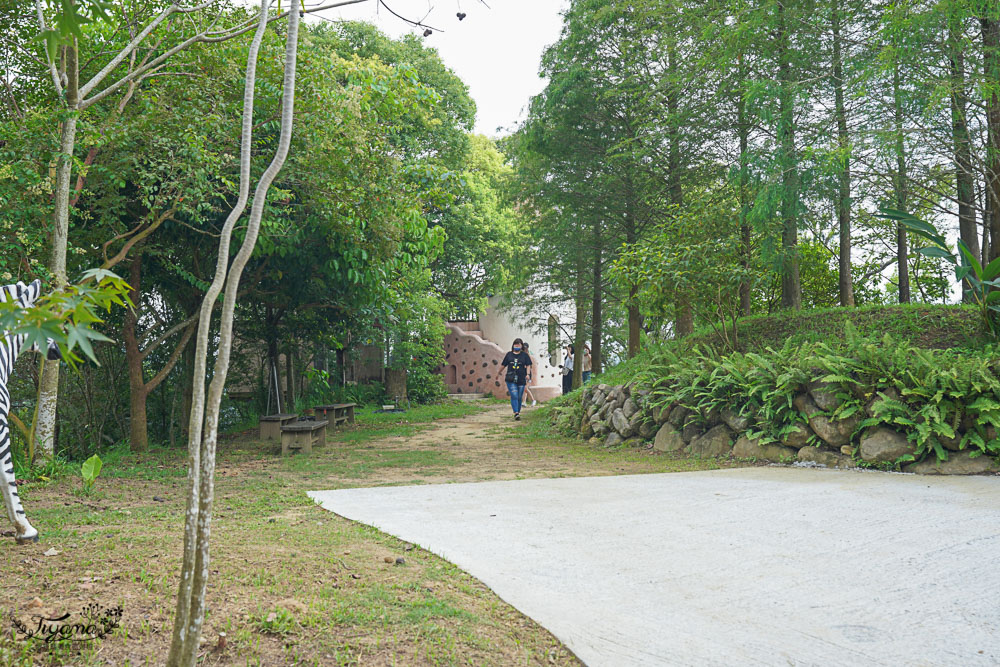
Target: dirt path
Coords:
[(490, 445)]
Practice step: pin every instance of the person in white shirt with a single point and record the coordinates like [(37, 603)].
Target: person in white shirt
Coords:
[(567, 370)]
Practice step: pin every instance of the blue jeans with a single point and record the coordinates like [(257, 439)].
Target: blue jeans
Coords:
[(516, 392), (586, 376)]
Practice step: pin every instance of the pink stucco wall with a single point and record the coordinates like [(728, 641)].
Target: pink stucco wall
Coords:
[(472, 365)]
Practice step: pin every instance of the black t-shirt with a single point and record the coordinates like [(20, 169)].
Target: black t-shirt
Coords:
[(517, 367)]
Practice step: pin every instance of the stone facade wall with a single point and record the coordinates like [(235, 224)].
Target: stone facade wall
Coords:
[(624, 415), (472, 366)]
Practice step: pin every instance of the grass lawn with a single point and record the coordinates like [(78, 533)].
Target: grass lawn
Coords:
[(291, 583)]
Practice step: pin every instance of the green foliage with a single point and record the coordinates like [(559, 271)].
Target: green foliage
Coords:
[(89, 471), (424, 386), (69, 19), (68, 315), (321, 391), (938, 389), (983, 281)]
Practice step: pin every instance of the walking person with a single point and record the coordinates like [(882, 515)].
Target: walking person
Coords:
[(567, 369), (518, 365), (587, 364)]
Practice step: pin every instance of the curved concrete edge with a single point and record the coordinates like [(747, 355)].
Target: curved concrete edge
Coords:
[(753, 566)]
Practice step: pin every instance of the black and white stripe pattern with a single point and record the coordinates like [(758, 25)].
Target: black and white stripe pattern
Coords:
[(10, 347)]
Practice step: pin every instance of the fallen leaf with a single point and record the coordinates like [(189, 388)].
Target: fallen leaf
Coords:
[(52, 551)]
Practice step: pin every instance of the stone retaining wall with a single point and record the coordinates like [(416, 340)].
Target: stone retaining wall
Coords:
[(624, 415)]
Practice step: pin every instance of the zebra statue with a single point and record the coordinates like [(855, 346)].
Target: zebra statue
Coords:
[(10, 347)]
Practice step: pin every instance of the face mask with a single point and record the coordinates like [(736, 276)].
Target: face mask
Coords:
[(517, 349)]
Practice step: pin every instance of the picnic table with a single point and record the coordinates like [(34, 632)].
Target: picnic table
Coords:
[(337, 412), (270, 425)]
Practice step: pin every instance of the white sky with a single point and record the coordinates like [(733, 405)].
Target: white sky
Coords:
[(495, 50)]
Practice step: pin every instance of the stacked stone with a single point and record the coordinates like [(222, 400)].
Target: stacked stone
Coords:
[(623, 415), (615, 415)]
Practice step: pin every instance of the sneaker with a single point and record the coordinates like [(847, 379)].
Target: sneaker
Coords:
[(517, 416)]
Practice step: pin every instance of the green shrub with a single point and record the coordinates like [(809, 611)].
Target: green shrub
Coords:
[(423, 386), (937, 388)]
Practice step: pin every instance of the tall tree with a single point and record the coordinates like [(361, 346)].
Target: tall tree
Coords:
[(844, 146)]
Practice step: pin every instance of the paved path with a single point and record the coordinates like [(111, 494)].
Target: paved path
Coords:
[(752, 566)]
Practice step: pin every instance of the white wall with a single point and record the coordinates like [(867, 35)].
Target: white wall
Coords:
[(498, 327)]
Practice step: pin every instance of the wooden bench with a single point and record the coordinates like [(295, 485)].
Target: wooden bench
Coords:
[(303, 436), (270, 425), (337, 412)]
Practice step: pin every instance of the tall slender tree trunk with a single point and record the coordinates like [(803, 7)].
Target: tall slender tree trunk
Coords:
[(596, 316), (791, 289), (674, 149), (190, 607), (48, 385), (289, 377), (991, 68), (900, 187), (743, 127), (844, 185), (138, 438), (580, 334), (187, 379), (634, 316), (965, 192)]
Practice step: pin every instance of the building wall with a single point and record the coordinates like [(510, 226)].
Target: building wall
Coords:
[(499, 327), (474, 350)]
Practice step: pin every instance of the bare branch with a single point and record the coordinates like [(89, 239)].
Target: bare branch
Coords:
[(169, 332), (208, 37), (52, 65), (174, 356), (127, 51)]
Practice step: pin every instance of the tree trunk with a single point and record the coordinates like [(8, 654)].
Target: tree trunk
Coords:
[(48, 388), (634, 317), (902, 252), (634, 323), (289, 377), (744, 195), (991, 67), (138, 440), (674, 151), (684, 326), (190, 607), (395, 384), (580, 334), (187, 380), (965, 193), (596, 316), (844, 189), (791, 289)]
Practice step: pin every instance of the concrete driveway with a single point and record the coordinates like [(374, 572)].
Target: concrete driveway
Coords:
[(751, 566)]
